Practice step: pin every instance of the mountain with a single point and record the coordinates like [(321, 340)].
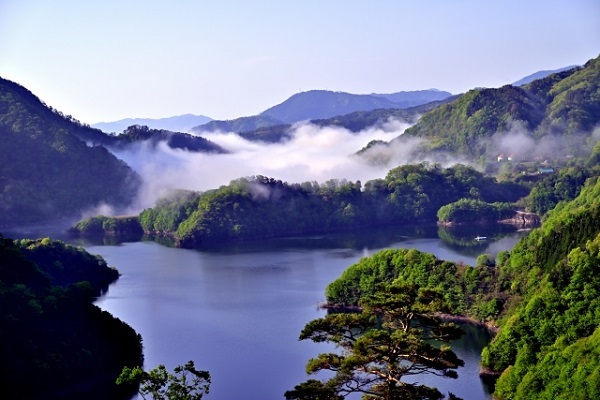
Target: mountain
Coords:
[(540, 75), (179, 123), (47, 172), (562, 109), (323, 104), (175, 140), (354, 122), (415, 98), (241, 124)]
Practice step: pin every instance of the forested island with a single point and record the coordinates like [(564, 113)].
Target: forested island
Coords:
[(262, 207)]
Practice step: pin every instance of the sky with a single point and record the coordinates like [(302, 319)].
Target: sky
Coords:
[(102, 61)]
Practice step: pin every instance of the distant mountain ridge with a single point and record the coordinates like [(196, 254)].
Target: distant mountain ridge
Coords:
[(541, 75), (178, 123), (241, 124), (322, 105)]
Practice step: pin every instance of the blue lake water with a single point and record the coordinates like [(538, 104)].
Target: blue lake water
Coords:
[(237, 310)]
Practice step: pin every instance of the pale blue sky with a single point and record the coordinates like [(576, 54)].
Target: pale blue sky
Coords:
[(112, 59)]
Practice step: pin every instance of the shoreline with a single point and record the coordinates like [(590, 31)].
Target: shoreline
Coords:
[(342, 308)]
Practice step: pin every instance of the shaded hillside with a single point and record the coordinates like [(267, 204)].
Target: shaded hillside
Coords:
[(179, 123), (258, 207), (175, 140), (54, 343), (354, 122), (323, 104), (360, 120), (242, 124), (564, 107), (47, 172)]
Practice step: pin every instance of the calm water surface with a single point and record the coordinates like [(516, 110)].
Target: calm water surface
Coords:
[(237, 310)]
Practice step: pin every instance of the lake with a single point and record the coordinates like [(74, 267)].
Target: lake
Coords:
[(237, 310)]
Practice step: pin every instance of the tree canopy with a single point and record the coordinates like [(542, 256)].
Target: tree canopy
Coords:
[(185, 383), (54, 343), (389, 340), (259, 206)]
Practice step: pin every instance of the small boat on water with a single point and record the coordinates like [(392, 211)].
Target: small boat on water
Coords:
[(479, 238)]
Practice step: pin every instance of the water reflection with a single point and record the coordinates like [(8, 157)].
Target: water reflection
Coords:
[(463, 238), (235, 306), (460, 239)]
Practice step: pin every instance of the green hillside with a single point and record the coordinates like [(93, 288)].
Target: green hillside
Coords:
[(544, 296), (552, 279), (47, 172), (564, 105), (258, 207), (54, 343)]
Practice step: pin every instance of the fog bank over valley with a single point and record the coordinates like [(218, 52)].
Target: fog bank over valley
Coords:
[(312, 154)]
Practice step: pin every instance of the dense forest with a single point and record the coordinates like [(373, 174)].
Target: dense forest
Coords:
[(543, 296), (46, 171), (258, 207), (54, 167), (563, 108), (55, 343)]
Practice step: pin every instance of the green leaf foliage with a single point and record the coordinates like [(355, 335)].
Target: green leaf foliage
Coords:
[(47, 171), (258, 207), (102, 225), (564, 105), (55, 343), (552, 278), (390, 339), (467, 290), (185, 383), (473, 210)]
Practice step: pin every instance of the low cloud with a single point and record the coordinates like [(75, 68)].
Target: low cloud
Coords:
[(520, 143), (312, 153)]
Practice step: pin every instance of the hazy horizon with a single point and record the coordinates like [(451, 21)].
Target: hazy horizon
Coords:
[(106, 61)]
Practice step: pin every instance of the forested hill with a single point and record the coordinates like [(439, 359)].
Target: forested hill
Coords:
[(47, 172), (54, 343), (544, 296), (54, 167), (563, 106), (258, 207), (549, 343), (176, 140)]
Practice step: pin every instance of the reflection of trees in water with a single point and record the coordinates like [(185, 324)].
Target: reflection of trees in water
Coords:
[(459, 238), (356, 240), (462, 238)]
